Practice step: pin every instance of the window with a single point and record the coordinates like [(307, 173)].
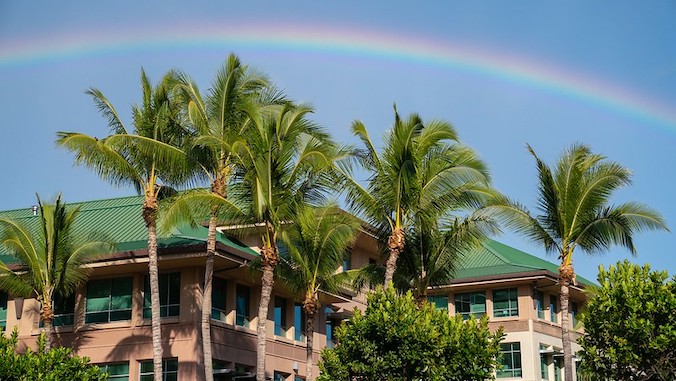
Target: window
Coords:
[(544, 367), (439, 301), (242, 306), (505, 303), (116, 372), (218, 297), (169, 370), (330, 328), (64, 310), (539, 300), (553, 309), (170, 295), (280, 316), (299, 322), (558, 365), (108, 300), (221, 370), (470, 304), (347, 262), (510, 360), (279, 376), (573, 314), (3, 310)]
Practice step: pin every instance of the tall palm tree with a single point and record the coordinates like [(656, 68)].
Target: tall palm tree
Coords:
[(218, 120), (50, 255), (284, 161), (420, 172), (435, 249), (149, 158), (574, 212), (317, 242)]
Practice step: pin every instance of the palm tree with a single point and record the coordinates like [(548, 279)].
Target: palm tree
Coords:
[(574, 211), (148, 159), (283, 161), (435, 248), (218, 119), (317, 242), (50, 255), (420, 173)]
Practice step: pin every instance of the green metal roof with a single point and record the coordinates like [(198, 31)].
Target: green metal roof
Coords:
[(495, 258), (121, 220)]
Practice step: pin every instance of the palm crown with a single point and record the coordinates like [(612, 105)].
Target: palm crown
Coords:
[(422, 173), (49, 254)]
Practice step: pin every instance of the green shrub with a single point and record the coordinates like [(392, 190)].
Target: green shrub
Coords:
[(58, 364), (395, 339)]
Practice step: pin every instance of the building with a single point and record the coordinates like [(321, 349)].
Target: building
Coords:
[(108, 318), (519, 292)]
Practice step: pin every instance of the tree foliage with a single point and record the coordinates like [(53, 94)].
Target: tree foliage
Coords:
[(397, 340), (630, 325), (56, 364)]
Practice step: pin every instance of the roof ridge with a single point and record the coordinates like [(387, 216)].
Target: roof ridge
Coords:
[(494, 252)]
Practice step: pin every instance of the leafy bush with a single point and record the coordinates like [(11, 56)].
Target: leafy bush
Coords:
[(395, 339), (57, 364), (630, 325)]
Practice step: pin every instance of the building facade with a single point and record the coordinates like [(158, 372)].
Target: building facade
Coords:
[(108, 319)]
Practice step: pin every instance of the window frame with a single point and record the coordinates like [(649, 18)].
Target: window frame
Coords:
[(167, 308), (299, 318), (219, 311), (471, 302), (125, 313), (513, 350), (512, 303), (166, 372), (104, 368), (539, 299), (4, 301), (553, 309), (281, 326), (243, 319)]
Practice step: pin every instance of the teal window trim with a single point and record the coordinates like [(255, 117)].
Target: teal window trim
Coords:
[(116, 371), (169, 370), (4, 298), (330, 328), (64, 311), (539, 298), (506, 302), (510, 359), (544, 367), (440, 302), (553, 309), (470, 304), (243, 306), (108, 300), (219, 288), (280, 316), (170, 295), (299, 322)]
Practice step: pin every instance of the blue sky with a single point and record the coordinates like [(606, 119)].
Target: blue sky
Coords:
[(504, 73)]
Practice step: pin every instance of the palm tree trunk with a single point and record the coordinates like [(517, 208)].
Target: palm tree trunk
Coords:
[(266, 292), (47, 316), (565, 274), (206, 298), (309, 346), (395, 243), (150, 217)]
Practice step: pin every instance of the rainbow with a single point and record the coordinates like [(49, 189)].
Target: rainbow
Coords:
[(343, 41)]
